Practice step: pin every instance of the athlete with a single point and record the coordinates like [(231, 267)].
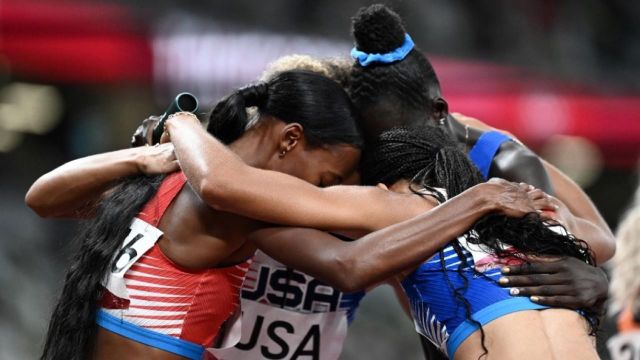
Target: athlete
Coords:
[(393, 84), (130, 277), (260, 338), (455, 300), (194, 148), (162, 286)]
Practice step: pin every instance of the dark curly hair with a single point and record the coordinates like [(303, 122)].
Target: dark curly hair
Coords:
[(430, 159), (319, 104)]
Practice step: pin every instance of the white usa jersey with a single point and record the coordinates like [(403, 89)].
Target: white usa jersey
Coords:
[(287, 314)]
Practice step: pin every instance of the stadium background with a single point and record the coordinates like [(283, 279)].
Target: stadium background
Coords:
[(76, 77)]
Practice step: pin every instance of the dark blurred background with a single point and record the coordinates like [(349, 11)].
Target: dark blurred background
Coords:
[(76, 77)]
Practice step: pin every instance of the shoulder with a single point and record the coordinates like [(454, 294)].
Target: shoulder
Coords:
[(512, 154), (515, 162)]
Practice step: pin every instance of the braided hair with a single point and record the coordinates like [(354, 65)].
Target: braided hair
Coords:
[(389, 94), (320, 105), (428, 158)]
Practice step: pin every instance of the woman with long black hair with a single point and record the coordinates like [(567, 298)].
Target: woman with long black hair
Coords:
[(161, 286), (455, 298)]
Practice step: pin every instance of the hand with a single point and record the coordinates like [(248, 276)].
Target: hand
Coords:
[(183, 117), (558, 210), (143, 134), (513, 199), (565, 282), (158, 159)]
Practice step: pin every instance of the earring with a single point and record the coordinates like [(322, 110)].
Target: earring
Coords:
[(441, 122), (282, 153)]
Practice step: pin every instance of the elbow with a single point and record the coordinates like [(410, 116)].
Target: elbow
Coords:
[(223, 193), (36, 203), (607, 252), (348, 278), (214, 193)]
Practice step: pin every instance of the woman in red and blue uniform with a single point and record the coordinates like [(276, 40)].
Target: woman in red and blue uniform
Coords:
[(162, 285)]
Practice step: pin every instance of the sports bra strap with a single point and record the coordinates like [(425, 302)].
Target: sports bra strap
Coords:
[(155, 208), (485, 149)]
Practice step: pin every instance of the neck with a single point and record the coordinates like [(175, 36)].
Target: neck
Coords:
[(253, 146), (456, 129)]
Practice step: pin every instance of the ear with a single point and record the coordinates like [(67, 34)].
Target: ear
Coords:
[(439, 108), (290, 136)]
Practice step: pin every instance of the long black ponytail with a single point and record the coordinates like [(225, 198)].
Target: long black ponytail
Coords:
[(72, 325), (320, 105), (430, 159)]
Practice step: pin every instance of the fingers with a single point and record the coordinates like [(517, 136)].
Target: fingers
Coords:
[(173, 166), (571, 302), (532, 280), (544, 290), (165, 138), (526, 187), (537, 194), (545, 267)]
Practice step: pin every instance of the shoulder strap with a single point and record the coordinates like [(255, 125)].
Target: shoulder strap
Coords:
[(155, 208), (485, 150)]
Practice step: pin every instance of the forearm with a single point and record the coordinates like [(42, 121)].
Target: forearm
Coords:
[(594, 236), (405, 245), (226, 183), (352, 266), (69, 190), (586, 223), (575, 198)]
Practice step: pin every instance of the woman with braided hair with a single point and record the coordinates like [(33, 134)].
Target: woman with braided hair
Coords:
[(161, 287), (455, 298), (394, 84)]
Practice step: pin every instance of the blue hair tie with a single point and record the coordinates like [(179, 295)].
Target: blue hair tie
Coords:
[(396, 55)]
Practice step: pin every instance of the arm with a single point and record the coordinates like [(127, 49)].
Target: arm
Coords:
[(585, 213), (515, 162), (73, 189), (226, 183), (593, 235), (355, 265), (567, 191)]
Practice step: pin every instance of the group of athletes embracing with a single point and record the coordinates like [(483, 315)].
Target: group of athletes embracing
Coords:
[(251, 238)]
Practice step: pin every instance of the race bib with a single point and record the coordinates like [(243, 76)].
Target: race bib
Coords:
[(141, 238), (625, 346), (269, 332)]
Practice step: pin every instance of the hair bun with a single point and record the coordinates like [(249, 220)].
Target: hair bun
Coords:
[(255, 95), (377, 29)]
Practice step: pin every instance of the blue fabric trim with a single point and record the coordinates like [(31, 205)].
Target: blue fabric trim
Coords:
[(396, 55), (485, 316), (485, 149), (149, 337)]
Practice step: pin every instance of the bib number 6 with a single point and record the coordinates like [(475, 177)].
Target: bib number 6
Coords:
[(141, 238)]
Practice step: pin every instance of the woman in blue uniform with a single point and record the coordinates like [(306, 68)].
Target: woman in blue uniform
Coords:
[(456, 301)]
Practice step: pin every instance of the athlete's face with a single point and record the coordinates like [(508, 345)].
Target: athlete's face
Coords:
[(322, 166)]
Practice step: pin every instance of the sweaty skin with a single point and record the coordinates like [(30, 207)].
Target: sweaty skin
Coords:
[(553, 333), (197, 235), (562, 282), (275, 197), (565, 189)]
